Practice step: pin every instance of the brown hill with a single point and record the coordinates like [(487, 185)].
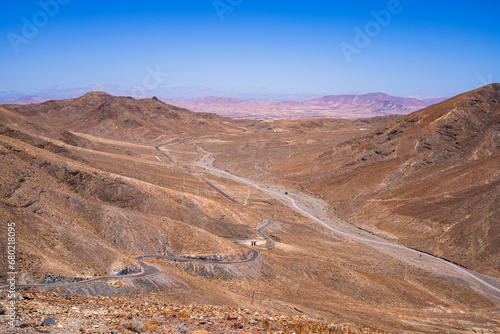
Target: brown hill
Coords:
[(85, 207), (331, 106), (105, 115), (430, 179)]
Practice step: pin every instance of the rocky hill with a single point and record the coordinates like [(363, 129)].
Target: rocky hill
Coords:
[(101, 114), (73, 197), (87, 204), (430, 179)]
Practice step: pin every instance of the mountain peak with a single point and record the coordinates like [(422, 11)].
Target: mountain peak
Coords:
[(97, 94), (494, 85), (95, 97)]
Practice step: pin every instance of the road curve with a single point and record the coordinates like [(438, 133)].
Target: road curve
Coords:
[(148, 270), (252, 258), (485, 284)]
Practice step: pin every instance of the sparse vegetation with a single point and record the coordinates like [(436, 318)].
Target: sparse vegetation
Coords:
[(134, 327), (151, 326), (155, 317)]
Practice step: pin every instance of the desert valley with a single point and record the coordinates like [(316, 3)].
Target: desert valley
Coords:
[(137, 215)]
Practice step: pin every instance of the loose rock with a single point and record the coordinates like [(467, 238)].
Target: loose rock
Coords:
[(28, 296), (48, 322)]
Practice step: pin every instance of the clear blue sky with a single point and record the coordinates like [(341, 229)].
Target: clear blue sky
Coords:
[(259, 50)]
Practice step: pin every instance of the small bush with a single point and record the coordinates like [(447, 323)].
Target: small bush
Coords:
[(134, 327), (151, 326), (183, 315), (267, 325)]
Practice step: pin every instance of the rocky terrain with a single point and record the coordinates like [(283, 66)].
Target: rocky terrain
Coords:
[(429, 179), (75, 195), (59, 313), (90, 192)]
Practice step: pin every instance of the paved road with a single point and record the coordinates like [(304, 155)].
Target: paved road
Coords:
[(255, 253), (149, 270), (487, 285)]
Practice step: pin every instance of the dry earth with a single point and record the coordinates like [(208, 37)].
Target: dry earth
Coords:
[(87, 202), (429, 180)]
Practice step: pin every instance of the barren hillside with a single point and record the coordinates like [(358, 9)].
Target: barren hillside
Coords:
[(87, 202), (429, 179), (105, 115), (70, 206)]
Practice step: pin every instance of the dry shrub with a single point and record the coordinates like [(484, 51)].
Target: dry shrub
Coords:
[(297, 328), (266, 324), (333, 330), (134, 327), (151, 326), (183, 315)]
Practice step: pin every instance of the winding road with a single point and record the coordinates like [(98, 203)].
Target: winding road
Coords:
[(148, 270), (255, 253), (317, 211)]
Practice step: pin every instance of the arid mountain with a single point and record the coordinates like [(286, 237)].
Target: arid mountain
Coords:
[(331, 106), (430, 179), (105, 115), (73, 197), (89, 192)]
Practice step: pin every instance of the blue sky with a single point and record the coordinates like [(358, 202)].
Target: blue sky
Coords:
[(247, 48)]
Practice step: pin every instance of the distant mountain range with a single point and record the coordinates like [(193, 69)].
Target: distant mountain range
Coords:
[(330, 106), (23, 100)]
